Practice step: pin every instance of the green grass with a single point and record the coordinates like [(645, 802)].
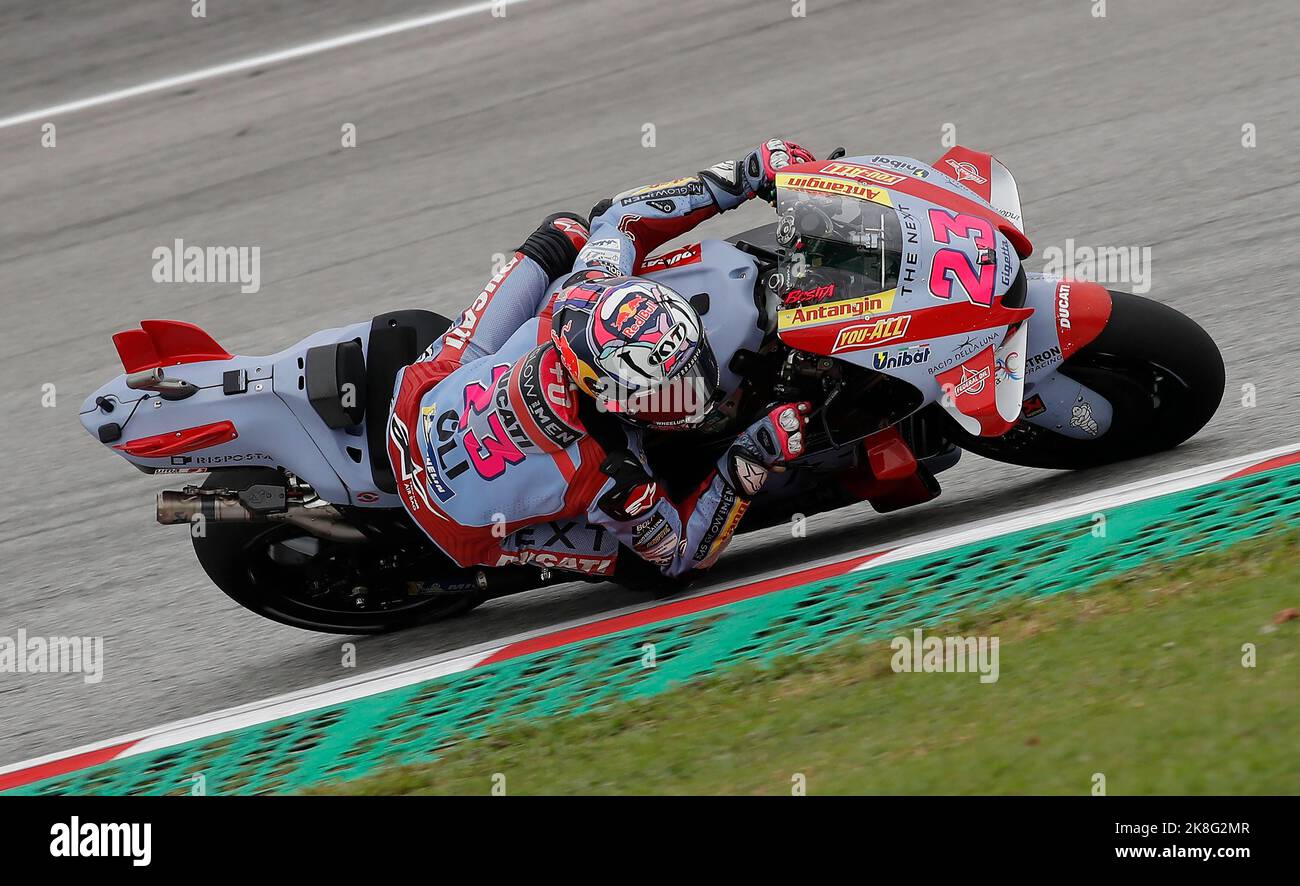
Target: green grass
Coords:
[(1140, 679)]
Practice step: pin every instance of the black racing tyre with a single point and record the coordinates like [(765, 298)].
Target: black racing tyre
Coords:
[(236, 556), (1161, 372)]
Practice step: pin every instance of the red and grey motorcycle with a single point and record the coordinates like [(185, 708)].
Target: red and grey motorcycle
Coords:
[(889, 293)]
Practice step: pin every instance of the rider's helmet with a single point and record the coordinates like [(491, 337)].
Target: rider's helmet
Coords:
[(638, 349)]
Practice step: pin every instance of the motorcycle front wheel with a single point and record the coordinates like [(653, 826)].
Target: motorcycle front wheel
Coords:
[(1161, 372)]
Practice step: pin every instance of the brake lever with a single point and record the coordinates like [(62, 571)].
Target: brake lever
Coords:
[(825, 411)]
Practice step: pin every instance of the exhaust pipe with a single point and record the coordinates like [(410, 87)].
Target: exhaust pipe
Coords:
[(256, 504)]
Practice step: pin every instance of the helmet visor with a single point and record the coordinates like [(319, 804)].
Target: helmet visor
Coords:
[(681, 401)]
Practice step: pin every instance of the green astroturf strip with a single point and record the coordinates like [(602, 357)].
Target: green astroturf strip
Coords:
[(413, 723)]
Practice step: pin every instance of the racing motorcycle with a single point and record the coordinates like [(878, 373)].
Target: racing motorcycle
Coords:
[(889, 293)]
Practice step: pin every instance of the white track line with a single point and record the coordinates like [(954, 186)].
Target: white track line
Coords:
[(258, 61), (1087, 503), (454, 661)]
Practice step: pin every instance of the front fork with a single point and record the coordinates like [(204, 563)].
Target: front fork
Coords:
[(1068, 316)]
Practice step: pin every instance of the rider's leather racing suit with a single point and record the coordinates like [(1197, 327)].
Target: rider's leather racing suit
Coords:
[(497, 456)]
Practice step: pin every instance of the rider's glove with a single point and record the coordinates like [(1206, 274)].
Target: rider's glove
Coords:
[(775, 438), (769, 158), (755, 173)]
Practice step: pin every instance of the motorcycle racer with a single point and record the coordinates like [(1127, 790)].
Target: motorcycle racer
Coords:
[(624, 230), (518, 436)]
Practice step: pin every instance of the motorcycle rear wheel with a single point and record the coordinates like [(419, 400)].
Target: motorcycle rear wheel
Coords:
[(1161, 372), (236, 556)]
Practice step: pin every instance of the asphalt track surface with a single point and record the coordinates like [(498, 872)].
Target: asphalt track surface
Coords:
[(1122, 131)]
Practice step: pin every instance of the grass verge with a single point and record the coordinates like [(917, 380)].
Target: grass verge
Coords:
[(1140, 679)]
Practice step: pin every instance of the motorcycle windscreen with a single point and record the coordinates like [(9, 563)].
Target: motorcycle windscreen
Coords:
[(838, 255)]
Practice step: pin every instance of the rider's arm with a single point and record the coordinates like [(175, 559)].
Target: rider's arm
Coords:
[(515, 294), (691, 534), (677, 537), (629, 226)]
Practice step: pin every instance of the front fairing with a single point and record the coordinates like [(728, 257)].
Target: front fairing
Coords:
[(935, 315)]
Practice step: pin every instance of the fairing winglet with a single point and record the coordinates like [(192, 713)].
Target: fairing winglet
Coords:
[(987, 177), (983, 394), (165, 343)]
